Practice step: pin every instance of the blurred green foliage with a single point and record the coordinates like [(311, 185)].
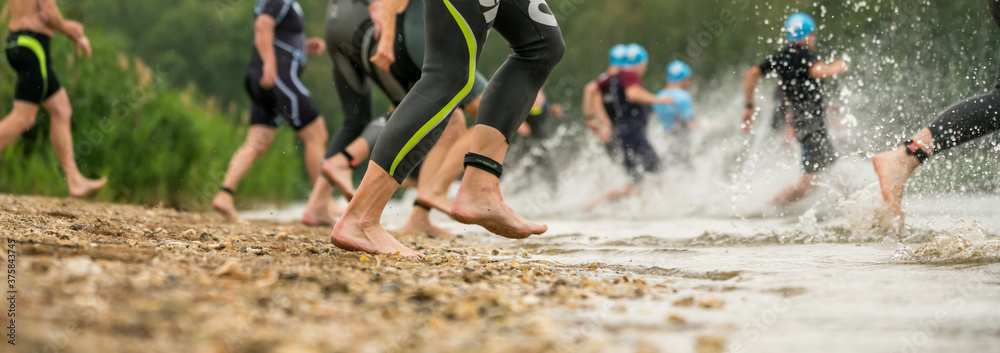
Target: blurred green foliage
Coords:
[(156, 144)]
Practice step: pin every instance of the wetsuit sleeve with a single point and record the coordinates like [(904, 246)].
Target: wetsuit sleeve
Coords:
[(629, 79), (275, 8), (477, 89), (768, 65), (603, 83)]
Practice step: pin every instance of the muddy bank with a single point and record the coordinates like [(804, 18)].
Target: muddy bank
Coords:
[(94, 277)]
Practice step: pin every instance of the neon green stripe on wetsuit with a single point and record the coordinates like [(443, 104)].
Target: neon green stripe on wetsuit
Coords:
[(470, 41), (36, 47)]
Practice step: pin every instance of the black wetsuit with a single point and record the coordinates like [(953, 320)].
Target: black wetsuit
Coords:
[(456, 32), (805, 97), (971, 118), (630, 122), (350, 38), (28, 53), (289, 98)]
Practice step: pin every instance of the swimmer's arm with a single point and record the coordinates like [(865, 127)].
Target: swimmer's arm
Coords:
[(385, 55), (638, 95), (263, 38), (56, 22), (749, 86), (524, 130), (821, 70), (589, 109)]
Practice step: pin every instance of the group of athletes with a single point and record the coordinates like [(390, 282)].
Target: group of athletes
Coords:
[(423, 56)]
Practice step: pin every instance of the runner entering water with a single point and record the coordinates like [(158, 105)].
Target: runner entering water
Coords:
[(32, 23), (353, 40), (272, 81), (802, 75), (958, 124), (677, 118), (629, 103), (456, 32)]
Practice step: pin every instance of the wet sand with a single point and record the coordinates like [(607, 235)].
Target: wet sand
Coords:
[(95, 277)]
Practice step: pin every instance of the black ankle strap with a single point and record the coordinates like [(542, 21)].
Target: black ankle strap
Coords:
[(484, 163), (914, 149), (229, 191), (417, 203), (350, 159)]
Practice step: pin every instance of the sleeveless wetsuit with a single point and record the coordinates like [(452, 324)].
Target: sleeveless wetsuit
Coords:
[(632, 120), (972, 118), (28, 53), (289, 98), (350, 37)]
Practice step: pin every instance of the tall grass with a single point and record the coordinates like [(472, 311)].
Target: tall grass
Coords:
[(156, 144)]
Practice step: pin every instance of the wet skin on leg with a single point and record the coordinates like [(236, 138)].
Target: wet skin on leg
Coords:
[(806, 184), (419, 221), (896, 166), (359, 229), (339, 171), (319, 209), (259, 138), (435, 194), (61, 112), (479, 200)]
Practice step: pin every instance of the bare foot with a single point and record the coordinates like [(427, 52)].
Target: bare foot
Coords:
[(893, 169), (318, 216), (354, 235), (479, 202), (223, 203), (338, 172), (438, 202), (87, 187), (420, 223)]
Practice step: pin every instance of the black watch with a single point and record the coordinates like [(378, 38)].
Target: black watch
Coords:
[(749, 105)]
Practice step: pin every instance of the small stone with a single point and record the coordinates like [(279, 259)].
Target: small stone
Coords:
[(686, 302), (710, 344), (710, 303), (676, 320)]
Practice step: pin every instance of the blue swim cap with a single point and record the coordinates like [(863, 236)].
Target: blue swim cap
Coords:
[(678, 71), (799, 26), (635, 55), (617, 55)]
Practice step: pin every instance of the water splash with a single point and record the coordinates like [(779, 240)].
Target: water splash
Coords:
[(965, 243)]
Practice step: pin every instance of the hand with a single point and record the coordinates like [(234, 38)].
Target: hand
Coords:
[(840, 66), (384, 57), (604, 134), (270, 73), (73, 30), (375, 12), (524, 130), (664, 100), (748, 117), (315, 46), (556, 110), (83, 47)]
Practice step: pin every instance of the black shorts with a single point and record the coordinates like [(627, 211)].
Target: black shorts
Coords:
[(639, 156), (817, 151), (28, 53), (288, 99)]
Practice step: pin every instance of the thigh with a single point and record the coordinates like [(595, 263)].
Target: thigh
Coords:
[(526, 22)]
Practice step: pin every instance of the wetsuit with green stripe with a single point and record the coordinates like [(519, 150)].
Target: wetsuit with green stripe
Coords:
[(456, 31), (28, 53), (972, 118), (350, 38)]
